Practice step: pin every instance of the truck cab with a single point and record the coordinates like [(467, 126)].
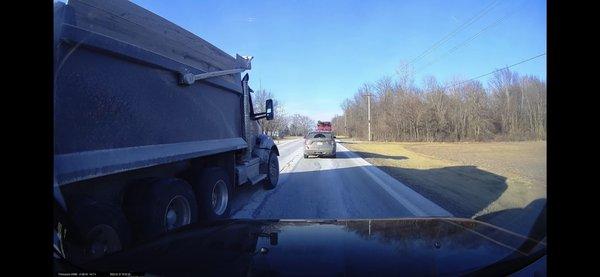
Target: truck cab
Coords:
[(324, 126)]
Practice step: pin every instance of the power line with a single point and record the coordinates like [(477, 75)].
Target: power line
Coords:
[(465, 42), (454, 32), (483, 75)]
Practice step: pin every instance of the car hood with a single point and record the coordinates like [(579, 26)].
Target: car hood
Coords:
[(424, 246)]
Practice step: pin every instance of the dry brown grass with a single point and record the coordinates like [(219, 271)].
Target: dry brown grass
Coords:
[(513, 159), (467, 179)]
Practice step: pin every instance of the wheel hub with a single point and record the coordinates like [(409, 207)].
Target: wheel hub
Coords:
[(178, 213), (219, 197)]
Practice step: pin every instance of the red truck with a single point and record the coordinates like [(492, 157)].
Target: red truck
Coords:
[(324, 126)]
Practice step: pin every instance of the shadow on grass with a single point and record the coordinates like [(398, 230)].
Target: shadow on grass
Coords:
[(462, 190), (366, 155), (465, 191)]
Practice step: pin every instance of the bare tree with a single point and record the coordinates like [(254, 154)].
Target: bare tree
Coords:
[(512, 107), (299, 125)]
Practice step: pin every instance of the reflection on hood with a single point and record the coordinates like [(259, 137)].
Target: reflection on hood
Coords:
[(425, 246)]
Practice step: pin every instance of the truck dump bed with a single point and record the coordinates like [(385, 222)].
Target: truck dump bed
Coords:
[(118, 104)]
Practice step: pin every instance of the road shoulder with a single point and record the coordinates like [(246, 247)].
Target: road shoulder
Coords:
[(464, 186)]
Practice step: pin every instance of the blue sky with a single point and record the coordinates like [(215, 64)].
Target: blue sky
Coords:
[(314, 54)]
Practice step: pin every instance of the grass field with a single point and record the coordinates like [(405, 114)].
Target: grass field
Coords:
[(503, 183)]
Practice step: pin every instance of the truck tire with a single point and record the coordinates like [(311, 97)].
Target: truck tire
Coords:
[(101, 229), (160, 205), (272, 171), (213, 190), (305, 156)]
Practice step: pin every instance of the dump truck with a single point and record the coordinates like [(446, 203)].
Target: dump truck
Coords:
[(154, 128)]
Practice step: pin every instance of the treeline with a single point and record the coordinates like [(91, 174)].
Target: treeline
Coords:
[(510, 107), (299, 125), (282, 124)]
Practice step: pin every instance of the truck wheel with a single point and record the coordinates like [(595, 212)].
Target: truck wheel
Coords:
[(159, 206), (305, 156), (101, 229), (272, 171), (212, 189)]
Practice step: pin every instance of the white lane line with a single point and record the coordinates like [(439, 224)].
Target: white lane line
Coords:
[(410, 199)]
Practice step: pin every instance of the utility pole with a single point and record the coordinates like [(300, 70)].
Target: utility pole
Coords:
[(369, 113), (345, 123)]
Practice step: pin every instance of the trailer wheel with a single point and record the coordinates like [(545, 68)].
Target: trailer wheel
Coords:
[(272, 171), (212, 188), (101, 229), (160, 206)]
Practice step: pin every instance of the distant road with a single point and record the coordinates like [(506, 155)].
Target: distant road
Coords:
[(340, 188)]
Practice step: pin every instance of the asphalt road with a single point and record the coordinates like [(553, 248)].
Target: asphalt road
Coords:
[(331, 188)]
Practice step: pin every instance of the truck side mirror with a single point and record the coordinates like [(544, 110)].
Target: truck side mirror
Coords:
[(269, 109)]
